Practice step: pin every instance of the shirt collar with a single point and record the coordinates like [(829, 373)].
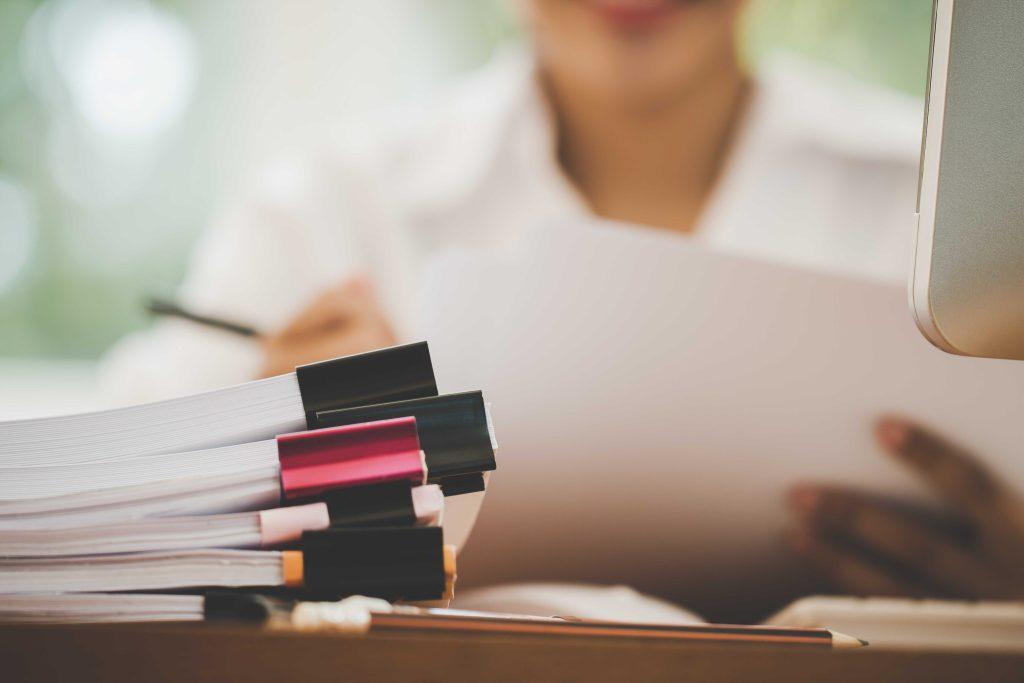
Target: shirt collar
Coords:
[(811, 105)]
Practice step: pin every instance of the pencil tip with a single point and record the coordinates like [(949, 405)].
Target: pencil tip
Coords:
[(843, 641)]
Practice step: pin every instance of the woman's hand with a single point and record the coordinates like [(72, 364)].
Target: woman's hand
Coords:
[(868, 548), (343, 320)]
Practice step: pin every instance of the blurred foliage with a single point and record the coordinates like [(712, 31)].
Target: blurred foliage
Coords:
[(70, 301), (885, 41)]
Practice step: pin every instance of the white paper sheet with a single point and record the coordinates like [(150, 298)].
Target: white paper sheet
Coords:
[(655, 400)]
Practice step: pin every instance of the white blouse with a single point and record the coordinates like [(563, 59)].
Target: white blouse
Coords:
[(823, 175)]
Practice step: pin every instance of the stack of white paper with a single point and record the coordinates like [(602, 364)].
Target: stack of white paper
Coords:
[(247, 412)]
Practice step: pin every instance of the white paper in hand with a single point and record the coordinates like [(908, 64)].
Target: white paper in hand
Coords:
[(656, 401)]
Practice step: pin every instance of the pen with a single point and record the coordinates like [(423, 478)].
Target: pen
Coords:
[(359, 615), (454, 622), (173, 310)]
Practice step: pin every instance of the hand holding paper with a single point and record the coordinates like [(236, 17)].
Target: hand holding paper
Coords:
[(869, 549), (685, 392)]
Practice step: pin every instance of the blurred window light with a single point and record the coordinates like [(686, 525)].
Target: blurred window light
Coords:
[(135, 74), (126, 67), (18, 228)]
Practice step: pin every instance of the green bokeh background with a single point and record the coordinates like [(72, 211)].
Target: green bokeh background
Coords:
[(62, 306)]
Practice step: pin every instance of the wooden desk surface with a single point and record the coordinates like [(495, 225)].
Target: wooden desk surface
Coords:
[(182, 652)]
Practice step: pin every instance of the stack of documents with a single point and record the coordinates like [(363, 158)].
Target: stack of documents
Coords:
[(330, 481)]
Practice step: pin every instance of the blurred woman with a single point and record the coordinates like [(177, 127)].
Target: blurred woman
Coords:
[(634, 110)]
